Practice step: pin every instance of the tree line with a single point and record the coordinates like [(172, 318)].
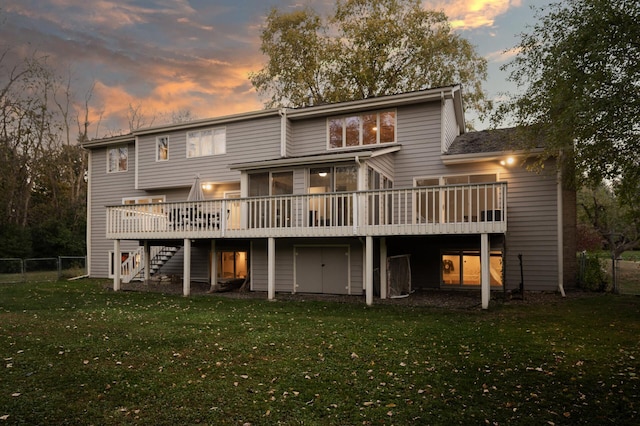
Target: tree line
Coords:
[(43, 176)]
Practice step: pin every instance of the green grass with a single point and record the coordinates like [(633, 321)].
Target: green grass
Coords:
[(75, 353)]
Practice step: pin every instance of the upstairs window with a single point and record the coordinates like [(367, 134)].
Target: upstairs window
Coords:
[(162, 148), (361, 130), (206, 142), (117, 159)]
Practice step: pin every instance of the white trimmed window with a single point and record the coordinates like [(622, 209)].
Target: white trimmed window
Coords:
[(361, 130), (206, 142), (117, 159), (162, 148)]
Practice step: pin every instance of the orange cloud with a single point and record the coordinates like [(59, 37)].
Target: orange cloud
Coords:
[(468, 14)]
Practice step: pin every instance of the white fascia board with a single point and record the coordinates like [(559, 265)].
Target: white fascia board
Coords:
[(116, 140), (385, 151), (217, 121), (375, 103)]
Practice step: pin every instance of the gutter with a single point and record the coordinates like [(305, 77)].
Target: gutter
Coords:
[(476, 157)]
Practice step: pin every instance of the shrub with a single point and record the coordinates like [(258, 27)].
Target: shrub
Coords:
[(591, 272)]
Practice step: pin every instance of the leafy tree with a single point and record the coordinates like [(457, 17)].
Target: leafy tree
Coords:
[(366, 48), (578, 70), (616, 220)]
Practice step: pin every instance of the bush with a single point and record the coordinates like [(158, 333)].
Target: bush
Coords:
[(591, 272)]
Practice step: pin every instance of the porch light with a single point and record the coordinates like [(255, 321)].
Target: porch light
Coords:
[(508, 161), (322, 174), (206, 186)]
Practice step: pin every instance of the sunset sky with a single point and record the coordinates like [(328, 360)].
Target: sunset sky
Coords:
[(167, 55)]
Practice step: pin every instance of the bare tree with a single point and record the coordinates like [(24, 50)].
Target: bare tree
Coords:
[(138, 118)]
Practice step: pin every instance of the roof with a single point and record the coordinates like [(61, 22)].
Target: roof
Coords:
[(486, 145), (333, 157), (387, 101), (485, 141)]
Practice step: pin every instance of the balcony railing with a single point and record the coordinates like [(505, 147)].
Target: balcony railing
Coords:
[(451, 209)]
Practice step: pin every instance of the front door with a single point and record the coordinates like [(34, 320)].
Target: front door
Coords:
[(322, 269)]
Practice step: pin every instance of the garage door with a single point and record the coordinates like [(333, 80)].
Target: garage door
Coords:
[(322, 269)]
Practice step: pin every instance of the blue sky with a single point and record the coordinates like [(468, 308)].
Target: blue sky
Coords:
[(167, 55)]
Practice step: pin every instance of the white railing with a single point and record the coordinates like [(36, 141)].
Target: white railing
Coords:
[(134, 264), (474, 208)]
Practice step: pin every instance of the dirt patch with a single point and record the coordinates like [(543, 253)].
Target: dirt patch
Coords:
[(450, 299)]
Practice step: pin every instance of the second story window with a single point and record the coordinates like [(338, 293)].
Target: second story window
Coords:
[(206, 142), (363, 129), (162, 148), (117, 159)]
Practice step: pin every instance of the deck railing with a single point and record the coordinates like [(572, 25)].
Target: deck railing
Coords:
[(475, 208)]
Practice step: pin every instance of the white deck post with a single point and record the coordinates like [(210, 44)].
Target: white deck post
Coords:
[(117, 265), (271, 268), (485, 280), (368, 276), (214, 268), (147, 261), (383, 268), (186, 275)]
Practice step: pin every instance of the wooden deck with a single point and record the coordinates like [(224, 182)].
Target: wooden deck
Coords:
[(453, 209)]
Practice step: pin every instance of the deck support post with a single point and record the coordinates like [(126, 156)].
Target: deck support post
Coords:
[(271, 268), (117, 265), (383, 268), (147, 261), (186, 275), (368, 276), (485, 273), (214, 268)]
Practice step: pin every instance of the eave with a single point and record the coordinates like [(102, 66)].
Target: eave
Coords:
[(333, 157), (481, 157)]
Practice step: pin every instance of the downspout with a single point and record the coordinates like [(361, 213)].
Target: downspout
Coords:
[(135, 176), (283, 132), (88, 238), (560, 235), (442, 127)]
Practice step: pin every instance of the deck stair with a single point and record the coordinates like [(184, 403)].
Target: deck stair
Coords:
[(132, 269)]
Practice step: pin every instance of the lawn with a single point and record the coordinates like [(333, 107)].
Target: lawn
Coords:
[(75, 353)]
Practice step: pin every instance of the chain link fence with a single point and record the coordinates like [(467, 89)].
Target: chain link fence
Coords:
[(14, 270), (600, 272)]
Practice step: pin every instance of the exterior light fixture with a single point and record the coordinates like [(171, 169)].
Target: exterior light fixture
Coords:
[(322, 174), (206, 186), (509, 161)]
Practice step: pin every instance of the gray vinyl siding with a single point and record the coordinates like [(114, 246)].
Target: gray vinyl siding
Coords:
[(450, 128), (250, 140), (384, 164), (309, 137), (285, 262), (107, 189), (532, 230), (419, 134)]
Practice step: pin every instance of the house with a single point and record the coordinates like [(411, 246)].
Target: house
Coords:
[(371, 197)]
